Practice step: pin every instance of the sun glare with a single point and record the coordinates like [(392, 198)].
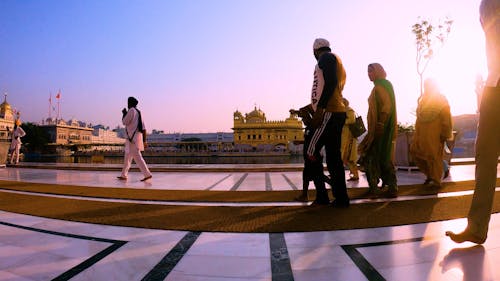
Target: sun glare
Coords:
[(456, 67)]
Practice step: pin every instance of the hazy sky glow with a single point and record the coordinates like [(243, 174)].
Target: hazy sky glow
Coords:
[(192, 63)]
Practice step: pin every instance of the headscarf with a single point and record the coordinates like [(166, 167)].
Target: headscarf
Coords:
[(132, 102), (378, 71), (431, 103), (380, 79)]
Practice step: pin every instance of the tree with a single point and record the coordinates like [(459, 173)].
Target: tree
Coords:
[(36, 138), (405, 128), (429, 37)]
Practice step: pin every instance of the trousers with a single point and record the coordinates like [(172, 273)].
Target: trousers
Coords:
[(133, 153), (487, 148)]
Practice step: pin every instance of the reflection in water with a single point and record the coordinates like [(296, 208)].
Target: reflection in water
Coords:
[(291, 159), (472, 262)]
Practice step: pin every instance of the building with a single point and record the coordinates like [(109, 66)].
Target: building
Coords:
[(102, 135), (190, 142), (6, 119), (254, 133), (61, 132)]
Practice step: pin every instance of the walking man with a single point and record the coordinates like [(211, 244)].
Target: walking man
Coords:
[(136, 139), (328, 120)]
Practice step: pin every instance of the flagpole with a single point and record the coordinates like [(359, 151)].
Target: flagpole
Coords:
[(50, 106), (58, 101)]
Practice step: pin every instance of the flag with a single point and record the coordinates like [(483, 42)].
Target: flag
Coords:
[(58, 96)]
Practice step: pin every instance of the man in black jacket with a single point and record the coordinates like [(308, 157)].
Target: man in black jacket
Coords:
[(328, 120)]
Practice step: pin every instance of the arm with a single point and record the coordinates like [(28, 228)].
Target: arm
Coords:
[(384, 101), (306, 110), (129, 117), (351, 116), (21, 132), (385, 104), (446, 124), (318, 85), (328, 64), (144, 133)]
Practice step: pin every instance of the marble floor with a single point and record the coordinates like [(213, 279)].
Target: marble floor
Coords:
[(36, 248)]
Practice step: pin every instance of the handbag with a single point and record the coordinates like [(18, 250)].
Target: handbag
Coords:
[(358, 127)]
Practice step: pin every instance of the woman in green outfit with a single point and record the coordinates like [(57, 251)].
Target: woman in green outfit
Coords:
[(377, 148)]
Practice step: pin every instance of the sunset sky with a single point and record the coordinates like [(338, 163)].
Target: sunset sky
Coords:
[(192, 63)]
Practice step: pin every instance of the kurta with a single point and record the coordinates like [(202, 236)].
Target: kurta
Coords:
[(377, 150), (381, 100), (134, 137), (349, 146), (134, 144), (17, 134), (432, 128)]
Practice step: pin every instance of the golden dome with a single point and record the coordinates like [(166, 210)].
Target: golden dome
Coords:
[(256, 114), (6, 110)]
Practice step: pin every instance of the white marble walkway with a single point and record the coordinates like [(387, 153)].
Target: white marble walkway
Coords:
[(35, 248)]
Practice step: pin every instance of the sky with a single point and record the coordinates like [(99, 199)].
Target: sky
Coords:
[(193, 63)]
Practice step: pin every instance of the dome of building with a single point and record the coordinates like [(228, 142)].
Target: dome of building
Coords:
[(6, 110), (256, 114), (237, 116)]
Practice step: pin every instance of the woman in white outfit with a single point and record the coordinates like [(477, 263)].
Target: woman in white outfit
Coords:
[(15, 145), (135, 140)]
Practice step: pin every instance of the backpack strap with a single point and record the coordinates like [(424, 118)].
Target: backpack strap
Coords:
[(136, 129)]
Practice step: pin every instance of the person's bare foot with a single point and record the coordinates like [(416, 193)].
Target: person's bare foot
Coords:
[(146, 178), (465, 236)]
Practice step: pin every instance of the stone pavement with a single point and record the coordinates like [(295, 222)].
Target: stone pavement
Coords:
[(36, 248)]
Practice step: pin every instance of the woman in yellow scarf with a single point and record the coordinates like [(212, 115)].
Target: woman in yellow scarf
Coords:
[(349, 144), (432, 128)]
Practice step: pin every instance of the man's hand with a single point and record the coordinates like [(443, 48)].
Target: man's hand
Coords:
[(317, 118), (124, 112)]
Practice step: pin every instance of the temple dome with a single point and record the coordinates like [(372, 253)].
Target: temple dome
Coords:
[(6, 110), (256, 115)]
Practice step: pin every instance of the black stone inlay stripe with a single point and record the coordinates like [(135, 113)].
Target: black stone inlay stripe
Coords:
[(88, 262), (72, 272), (167, 264), (280, 261), (269, 185), (215, 184), (368, 270), (239, 182), (290, 182)]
